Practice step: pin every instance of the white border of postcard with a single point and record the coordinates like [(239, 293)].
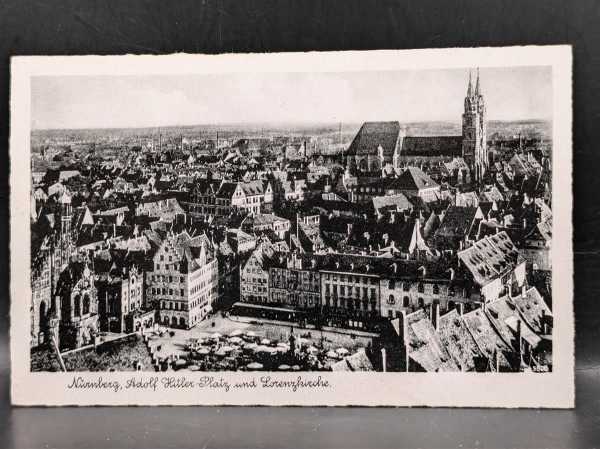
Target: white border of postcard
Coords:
[(555, 389)]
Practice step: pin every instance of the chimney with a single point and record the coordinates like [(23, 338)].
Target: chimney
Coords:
[(524, 291), (383, 360), (349, 228), (519, 340), (461, 308), (452, 273)]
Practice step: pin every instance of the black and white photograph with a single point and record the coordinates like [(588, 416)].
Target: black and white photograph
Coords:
[(281, 222)]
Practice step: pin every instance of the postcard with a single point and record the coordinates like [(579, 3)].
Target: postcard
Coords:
[(366, 228)]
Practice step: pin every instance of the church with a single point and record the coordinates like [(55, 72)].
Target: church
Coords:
[(378, 146)]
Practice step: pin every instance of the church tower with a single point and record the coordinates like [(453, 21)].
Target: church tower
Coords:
[(66, 213), (474, 131)]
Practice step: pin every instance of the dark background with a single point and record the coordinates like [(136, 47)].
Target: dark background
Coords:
[(62, 27)]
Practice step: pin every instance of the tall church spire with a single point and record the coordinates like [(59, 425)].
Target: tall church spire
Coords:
[(470, 88), (477, 83)]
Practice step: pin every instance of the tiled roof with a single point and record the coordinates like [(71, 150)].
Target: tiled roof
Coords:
[(265, 219), (486, 337), (532, 307), (371, 135), (425, 346), (458, 341), (166, 209), (421, 146), (413, 179), (504, 316), (490, 257), (227, 189), (395, 202), (456, 222), (252, 188)]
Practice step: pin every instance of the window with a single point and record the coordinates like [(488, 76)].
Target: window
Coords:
[(421, 302), (86, 304), (406, 286), (77, 305), (392, 284), (436, 289), (391, 300), (421, 287), (405, 301)]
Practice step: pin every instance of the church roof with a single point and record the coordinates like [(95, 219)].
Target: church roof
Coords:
[(371, 135), (422, 146)]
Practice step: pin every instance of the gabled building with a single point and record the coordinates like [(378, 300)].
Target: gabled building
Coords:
[(495, 265), (254, 278), (183, 282)]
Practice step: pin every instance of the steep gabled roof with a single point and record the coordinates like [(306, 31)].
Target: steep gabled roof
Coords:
[(458, 341), (413, 179), (371, 135), (485, 336), (425, 346), (490, 257)]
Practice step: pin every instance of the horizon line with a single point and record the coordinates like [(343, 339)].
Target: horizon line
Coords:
[(282, 123)]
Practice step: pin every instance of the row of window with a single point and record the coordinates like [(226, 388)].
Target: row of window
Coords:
[(167, 291), (165, 278), (435, 289), (351, 279), (254, 288), (332, 289), (349, 303)]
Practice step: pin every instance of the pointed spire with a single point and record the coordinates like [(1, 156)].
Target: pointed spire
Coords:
[(470, 88), (477, 92)]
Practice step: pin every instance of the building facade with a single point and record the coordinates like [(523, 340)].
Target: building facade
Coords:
[(120, 298), (183, 284)]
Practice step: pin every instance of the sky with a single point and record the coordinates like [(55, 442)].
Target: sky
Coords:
[(516, 93)]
